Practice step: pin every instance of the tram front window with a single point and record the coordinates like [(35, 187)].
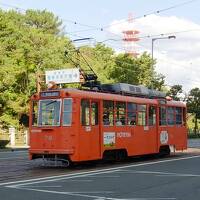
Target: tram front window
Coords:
[(49, 112)]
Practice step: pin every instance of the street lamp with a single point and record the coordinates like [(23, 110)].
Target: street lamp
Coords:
[(160, 38)]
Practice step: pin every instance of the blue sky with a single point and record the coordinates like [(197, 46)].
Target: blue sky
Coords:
[(103, 12), (176, 59)]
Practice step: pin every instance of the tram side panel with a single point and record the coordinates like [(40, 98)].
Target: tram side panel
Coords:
[(135, 139), (174, 136)]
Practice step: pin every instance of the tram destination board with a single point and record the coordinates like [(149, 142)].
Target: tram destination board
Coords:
[(50, 94)]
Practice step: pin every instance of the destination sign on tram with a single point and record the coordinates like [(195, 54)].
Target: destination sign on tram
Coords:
[(63, 76), (50, 94)]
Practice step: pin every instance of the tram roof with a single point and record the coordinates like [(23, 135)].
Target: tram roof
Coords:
[(118, 97), (108, 96)]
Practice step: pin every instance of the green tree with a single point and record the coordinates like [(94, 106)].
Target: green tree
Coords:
[(44, 21), (193, 105), (175, 92), (125, 70), (100, 58), (33, 42), (137, 71), (157, 82), (26, 48)]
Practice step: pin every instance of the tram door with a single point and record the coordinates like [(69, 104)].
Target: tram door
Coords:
[(152, 129), (90, 130)]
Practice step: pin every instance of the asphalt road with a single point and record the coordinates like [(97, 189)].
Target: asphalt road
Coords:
[(16, 166), (175, 177)]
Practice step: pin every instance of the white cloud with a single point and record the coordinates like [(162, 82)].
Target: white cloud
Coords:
[(178, 59)]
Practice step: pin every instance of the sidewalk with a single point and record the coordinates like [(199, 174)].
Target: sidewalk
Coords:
[(194, 143)]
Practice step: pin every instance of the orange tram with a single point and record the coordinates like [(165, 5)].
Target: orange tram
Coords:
[(80, 125)]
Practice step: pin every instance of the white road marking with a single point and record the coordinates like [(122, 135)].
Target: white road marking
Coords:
[(75, 181), (44, 186), (158, 173), (137, 198), (151, 198), (93, 172), (82, 194), (180, 175), (79, 194), (63, 178), (93, 176)]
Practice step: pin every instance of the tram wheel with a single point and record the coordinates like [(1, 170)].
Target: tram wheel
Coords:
[(164, 151), (115, 155)]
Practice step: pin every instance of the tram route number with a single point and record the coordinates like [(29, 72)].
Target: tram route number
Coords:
[(123, 134), (48, 137)]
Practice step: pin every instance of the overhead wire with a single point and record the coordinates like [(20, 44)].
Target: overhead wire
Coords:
[(117, 66), (11, 6), (155, 12), (102, 28), (197, 81), (141, 37), (106, 26)]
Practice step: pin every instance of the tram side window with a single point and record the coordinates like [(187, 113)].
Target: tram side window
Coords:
[(152, 115), (142, 121), (108, 111), (170, 116), (120, 113), (162, 115), (95, 112), (131, 113), (35, 113), (67, 112), (179, 114), (85, 112)]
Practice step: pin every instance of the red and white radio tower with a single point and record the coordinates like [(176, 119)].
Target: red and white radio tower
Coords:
[(130, 37)]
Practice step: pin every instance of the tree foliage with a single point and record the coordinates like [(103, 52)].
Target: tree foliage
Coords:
[(175, 92), (137, 71), (193, 105), (33, 42), (44, 21), (29, 43), (100, 58)]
